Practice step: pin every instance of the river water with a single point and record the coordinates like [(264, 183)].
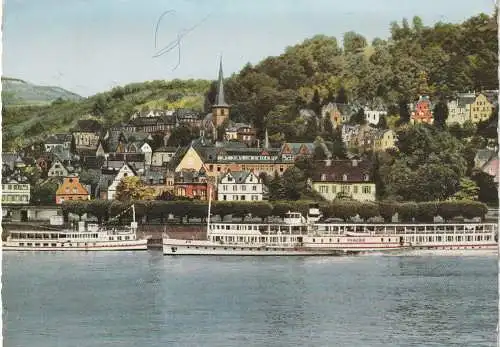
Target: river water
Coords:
[(145, 299)]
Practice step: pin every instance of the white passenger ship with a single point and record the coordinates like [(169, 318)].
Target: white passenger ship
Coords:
[(89, 237), (305, 236)]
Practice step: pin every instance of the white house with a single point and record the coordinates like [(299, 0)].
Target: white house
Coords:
[(163, 155), (373, 116), (14, 192), (58, 169), (148, 153), (125, 171), (240, 185), (459, 108)]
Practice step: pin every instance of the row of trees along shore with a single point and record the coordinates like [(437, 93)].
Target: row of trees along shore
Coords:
[(146, 211)]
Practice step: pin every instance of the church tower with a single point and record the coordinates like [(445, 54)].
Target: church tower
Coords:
[(220, 109)]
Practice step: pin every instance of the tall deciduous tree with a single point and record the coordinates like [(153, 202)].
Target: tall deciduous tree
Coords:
[(440, 113), (132, 188)]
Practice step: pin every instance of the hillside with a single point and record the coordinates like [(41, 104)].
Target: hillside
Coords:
[(27, 124), (416, 59), (19, 92)]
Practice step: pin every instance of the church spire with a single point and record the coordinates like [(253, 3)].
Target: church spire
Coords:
[(220, 109), (219, 98)]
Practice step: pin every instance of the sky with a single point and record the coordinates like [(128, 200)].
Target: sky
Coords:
[(90, 46)]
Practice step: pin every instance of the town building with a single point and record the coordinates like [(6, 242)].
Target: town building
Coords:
[(337, 113), (70, 190), (58, 169), (422, 112), (459, 108), (345, 179), (87, 135), (384, 140), (291, 151), (110, 178), (193, 184), (240, 186), (372, 116), (58, 140), (163, 155), (481, 109), (159, 179), (15, 192)]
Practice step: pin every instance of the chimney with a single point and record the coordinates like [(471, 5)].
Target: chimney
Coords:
[(328, 162), (354, 163)]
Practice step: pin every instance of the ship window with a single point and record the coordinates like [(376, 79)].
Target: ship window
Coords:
[(29, 244), (127, 237), (37, 244), (45, 244), (449, 238), (119, 238), (382, 239), (53, 244), (21, 243), (110, 238)]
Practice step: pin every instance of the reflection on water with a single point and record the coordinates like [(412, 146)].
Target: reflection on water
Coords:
[(144, 298)]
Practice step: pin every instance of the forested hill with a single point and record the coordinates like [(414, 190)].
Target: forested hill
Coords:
[(416, 58)]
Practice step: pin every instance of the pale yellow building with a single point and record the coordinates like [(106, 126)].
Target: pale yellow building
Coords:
[(481, 109), (384, 140), (345, 178)]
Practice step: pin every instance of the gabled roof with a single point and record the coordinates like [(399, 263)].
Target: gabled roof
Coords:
[(92, 162), (238, 176), (58, 139), (126, 157), (338, 168), (166, 149), (190, 176), (186, 114), (72, 183)]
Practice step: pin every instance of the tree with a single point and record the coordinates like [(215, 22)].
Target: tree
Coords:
[(44, 193), (338, 147), (440, 113), (316, 103), (341, 96), (328, 126), (404, 111), (468, 190), (319, 153), (132, 188), (293, 183), (181, 136), (358, 117), (488, 191), (382, 122), (354, 42)]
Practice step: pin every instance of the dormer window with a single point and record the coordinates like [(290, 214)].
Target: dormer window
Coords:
[(323, 177), (366, 177), (344, 177)]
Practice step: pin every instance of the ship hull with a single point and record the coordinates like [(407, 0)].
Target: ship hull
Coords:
[(133, 245), (187, 247), (180, 247)]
